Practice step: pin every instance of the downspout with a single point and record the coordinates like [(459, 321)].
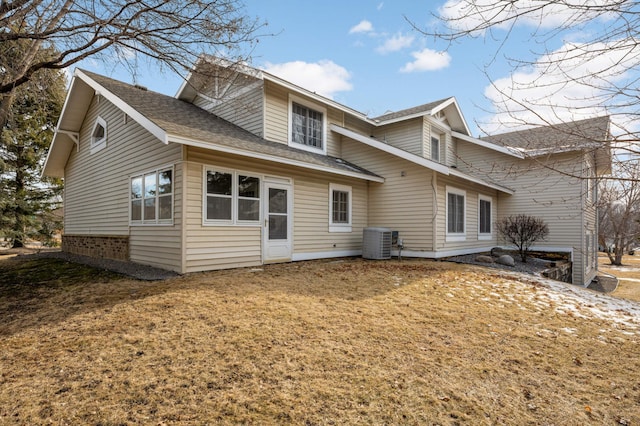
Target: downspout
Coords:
[(434, 218)]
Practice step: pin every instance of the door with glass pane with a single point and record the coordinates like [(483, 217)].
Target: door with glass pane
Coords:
[(277, 223)]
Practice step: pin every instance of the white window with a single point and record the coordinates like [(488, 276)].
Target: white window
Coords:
[(456, 214), (435, 147), (340, 208), (307, 125), (484, 217), (152, 198), (99, 135), (231, 197)]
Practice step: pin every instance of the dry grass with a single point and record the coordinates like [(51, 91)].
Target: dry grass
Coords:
[(628, 275), (349, 342)]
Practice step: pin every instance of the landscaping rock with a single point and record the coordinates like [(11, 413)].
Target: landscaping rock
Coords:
[(497, 251), (484, 258), (507, 260)]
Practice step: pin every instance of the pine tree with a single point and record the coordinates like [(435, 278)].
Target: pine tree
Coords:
[(26, 201)]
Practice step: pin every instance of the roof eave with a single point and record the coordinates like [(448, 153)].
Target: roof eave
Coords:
[(273, 158), (502, 149)]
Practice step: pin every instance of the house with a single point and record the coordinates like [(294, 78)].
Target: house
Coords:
[(243, 168)]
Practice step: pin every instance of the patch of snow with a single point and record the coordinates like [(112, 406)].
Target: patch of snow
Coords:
[(580, 302)]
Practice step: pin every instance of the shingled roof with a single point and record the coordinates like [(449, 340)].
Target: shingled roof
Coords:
[(576, 135), (424, 108), (183, 120)]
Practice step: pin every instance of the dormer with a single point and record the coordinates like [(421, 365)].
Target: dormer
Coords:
[(424, 130)]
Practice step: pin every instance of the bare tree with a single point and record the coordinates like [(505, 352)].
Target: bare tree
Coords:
[(171, 33), (522, 231), (594, 74), (619, 211)]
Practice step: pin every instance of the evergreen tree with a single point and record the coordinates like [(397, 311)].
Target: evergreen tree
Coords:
[(26, 201)]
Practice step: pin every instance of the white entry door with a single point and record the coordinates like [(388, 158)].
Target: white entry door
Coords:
[(277, 236)]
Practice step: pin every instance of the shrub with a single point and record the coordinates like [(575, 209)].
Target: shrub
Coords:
[(522, 231)]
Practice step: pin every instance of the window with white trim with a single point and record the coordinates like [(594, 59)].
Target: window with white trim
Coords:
[(307, 125), (456, 214), (484, 217), (435, 147), (152, 198), (231, 197), (99, 135), (340, 208)]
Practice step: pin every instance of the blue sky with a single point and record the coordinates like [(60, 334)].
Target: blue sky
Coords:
[(367, 56)]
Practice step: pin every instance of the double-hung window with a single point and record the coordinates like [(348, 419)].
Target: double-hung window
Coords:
[(340, 208), (231, 198), (456, 207), (152, 198), (307, 126), (484, 217)]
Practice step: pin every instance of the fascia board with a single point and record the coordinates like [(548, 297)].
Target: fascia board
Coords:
[(432, 165), (147, 124), (274, 158)]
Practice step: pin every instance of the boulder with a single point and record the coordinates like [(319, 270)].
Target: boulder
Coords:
[(497, 251), (484, 258), (505, 259)]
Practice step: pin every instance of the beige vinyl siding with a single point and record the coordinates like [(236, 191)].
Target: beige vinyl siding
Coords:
[(276, 126), (539, 191), (161, 245), (277, 117), (218, 247), (357, 125), (451, 151), (97, 185), (214, 247), (406, 135), (402, 203), (244, 108), (471, 240)]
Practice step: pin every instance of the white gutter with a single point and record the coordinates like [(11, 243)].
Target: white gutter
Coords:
[(274, 158)]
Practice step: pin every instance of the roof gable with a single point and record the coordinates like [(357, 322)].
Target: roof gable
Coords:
[(177, 121)]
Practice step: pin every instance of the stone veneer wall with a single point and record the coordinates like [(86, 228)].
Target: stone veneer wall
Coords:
[(100, 246)]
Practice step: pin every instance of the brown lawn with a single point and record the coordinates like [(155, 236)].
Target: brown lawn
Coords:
[(628, 275), (340, 342)]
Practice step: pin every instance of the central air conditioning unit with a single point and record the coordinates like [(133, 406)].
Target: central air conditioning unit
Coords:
[(376, 243)]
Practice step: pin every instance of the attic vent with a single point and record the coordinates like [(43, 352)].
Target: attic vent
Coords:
[(376, 243), (140, 87)]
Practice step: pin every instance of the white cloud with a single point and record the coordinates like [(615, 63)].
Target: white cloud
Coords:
[(363, 26), (395, 43), (572, 83), (465, 15), (324, 77), (427, 60)]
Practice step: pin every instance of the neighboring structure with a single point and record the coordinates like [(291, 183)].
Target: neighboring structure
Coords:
[(243, 168)]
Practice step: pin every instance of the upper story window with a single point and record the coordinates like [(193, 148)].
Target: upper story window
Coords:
[(152, 198), (435, 147), (307, 126), (99, 135)]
